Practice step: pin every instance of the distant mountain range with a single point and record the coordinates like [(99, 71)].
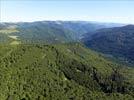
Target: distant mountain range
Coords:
[(52, 31)]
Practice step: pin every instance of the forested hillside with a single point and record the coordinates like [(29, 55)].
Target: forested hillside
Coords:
[(61, 72), (118, 41)]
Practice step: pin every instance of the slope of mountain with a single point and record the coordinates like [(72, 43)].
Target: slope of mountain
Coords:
[(118, 41), (61, 72)]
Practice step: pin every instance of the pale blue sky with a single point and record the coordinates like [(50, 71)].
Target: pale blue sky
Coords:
[(121, 11)]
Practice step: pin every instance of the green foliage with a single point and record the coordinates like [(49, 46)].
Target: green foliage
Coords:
[(61, 72)]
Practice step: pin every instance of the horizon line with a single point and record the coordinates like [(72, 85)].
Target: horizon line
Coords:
[(92, 21)]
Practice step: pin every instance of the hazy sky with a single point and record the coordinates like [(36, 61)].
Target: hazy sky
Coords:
[(121, 11)]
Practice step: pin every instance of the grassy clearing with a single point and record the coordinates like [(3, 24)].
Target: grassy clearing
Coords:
[(14, 37), (8, 31)]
